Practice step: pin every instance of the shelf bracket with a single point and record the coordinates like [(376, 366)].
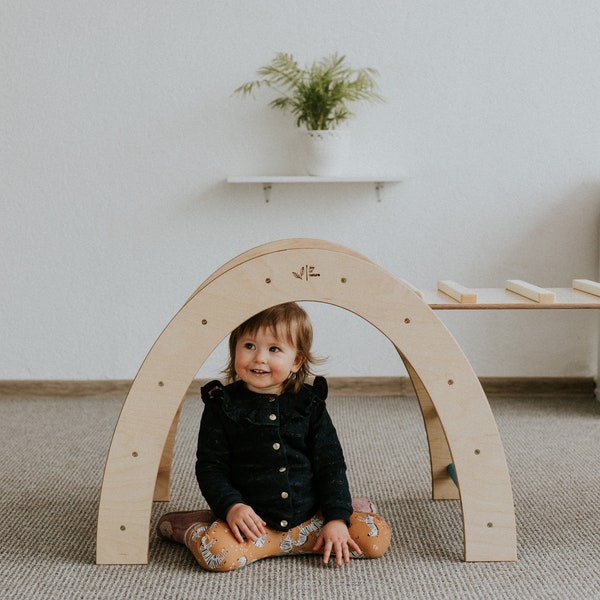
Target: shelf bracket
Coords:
[(379, 185), (267, 190)]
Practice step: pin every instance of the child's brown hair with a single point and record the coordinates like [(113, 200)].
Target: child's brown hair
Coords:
[(287, 319)]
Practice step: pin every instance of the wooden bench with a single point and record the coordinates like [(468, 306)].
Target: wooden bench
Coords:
[(460, 427), (516, 294)]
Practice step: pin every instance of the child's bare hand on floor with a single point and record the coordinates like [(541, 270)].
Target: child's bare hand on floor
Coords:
[(245, 523), (335, 539)]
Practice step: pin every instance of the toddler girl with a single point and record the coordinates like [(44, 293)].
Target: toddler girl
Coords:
[(269, 462)]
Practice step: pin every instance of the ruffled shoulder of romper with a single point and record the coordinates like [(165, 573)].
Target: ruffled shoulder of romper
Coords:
[(320, 387), (212, 392)]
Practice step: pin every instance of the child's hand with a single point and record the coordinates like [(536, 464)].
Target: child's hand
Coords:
[(335, 537), (244, 522)]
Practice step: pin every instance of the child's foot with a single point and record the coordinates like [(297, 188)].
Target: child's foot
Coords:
[(173, 526), (363, 505)]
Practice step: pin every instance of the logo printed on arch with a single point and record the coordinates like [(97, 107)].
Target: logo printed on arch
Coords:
[(306, 272)]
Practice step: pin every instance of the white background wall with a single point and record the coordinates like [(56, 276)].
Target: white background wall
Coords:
[(119, 129)]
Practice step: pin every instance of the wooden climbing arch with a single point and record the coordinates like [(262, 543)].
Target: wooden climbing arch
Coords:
[(459, 423)]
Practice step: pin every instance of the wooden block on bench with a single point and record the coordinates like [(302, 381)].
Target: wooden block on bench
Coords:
[(459, 292), (586, 285), (528, 290)]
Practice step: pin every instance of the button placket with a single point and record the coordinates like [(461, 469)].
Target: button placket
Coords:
[(273, 416)]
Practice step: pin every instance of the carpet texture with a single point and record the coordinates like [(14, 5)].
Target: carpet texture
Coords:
[(53, 453)]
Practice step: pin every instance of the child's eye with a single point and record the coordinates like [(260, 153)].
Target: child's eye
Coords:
[(274, 349), (249, 346)]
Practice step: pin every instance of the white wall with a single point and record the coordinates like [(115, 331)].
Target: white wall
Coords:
[(119, 129)]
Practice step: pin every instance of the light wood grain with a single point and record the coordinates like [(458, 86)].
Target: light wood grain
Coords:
[(531, 291), (587, 286), (459, 292), (503, 299), (345, 279)]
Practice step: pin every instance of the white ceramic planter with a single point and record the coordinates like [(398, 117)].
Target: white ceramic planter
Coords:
[(325, 152)]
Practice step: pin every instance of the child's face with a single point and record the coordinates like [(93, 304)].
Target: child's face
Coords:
[(264, 360)]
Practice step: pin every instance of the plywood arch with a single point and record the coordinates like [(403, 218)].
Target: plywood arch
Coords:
[(459, 422)]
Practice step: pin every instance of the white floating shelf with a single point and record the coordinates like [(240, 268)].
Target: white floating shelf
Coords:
[(268, 180)]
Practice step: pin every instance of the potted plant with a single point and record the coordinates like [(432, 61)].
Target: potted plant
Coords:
[(318, 97)]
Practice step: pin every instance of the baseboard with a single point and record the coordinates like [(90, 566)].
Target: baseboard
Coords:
[(583, 387), (493, 386)]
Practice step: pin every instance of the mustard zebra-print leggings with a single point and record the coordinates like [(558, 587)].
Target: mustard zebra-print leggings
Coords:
[(215, 548)]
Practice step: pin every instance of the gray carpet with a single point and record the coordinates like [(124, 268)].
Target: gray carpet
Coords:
[(53, 452)]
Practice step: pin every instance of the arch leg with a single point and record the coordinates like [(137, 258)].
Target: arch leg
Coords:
[(477, 453), (442, 486), (162, 488)]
